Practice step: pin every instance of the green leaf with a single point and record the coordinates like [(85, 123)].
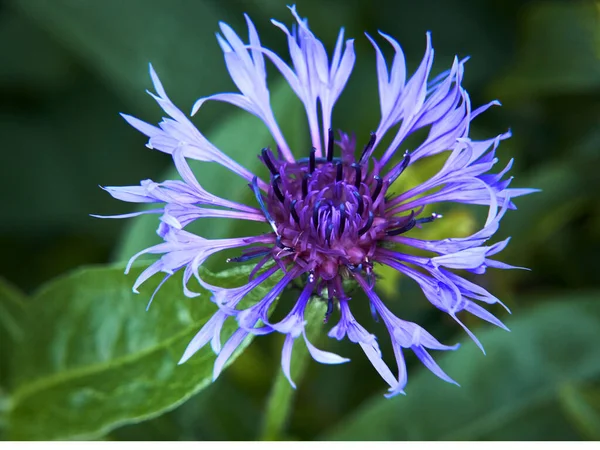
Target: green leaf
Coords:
[(558, 51), (281, 398), (12, 312), (241, 136), (582, 406), (509, 394), (94, 359), (225, 412)]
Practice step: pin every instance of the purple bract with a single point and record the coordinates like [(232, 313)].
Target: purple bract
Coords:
[(332, 214)]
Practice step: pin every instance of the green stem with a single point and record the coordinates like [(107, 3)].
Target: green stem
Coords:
[(281, 399)]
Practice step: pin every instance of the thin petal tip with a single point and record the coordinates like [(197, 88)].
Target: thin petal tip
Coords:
[(186, 355), (196, 107)]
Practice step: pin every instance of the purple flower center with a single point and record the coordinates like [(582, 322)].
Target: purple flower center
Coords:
[(329, 214)]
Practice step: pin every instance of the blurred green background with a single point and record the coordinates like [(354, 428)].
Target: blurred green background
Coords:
[(68, 67)]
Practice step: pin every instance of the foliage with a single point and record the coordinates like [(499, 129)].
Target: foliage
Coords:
[(79, 357)]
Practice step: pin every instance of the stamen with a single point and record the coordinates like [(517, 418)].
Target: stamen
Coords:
[(367, 226), (248, 256), (374, 313), (316, 214), (261, 203), (342, 219), (368, 147), (397, 171), (378, 187), (318, 160), (267, 160), (312, 162), (282, 245), (340, 172), (358, 176), (329, 309), (354, 269), (409, 225), (305, 184), (329, 232), (361, 204), (276, 189), (429, 219), (294, 212), (330, 146), (370, 277)]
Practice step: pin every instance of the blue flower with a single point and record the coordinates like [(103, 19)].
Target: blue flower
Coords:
[(331, 215)]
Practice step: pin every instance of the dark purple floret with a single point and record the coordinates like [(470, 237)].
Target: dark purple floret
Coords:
[(329, 216)]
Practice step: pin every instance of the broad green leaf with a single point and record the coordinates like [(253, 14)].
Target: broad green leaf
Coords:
[(558, 51), (582, 406), (509, 394), (281, 398), (227, 411), (12, 312), (241, 136), (93, 359)]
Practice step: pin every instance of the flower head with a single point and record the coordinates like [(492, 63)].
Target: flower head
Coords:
[(331, 213)]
